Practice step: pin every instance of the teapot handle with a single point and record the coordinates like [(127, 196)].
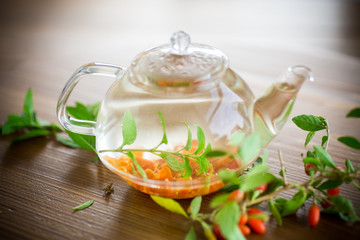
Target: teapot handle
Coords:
[(77, 125)]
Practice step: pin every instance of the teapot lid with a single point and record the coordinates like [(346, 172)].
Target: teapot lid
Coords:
[(179, 66)]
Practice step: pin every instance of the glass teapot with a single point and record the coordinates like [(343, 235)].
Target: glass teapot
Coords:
[(146, 125)]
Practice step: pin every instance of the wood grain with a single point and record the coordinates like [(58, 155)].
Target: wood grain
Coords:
[(43, 42)]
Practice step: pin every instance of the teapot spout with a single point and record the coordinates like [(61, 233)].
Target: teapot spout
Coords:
[(273, 108)]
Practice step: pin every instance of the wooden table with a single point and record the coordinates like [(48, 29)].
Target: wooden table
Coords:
[(43, 42)]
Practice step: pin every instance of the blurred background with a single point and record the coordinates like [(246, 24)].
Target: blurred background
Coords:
[(44, 41)]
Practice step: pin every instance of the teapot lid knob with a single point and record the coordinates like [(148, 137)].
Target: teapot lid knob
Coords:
[(180, 41)]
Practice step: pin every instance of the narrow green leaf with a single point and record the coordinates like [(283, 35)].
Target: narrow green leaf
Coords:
[(218, 200), (31, 134), (201, 140), (137, 165), (84, 205), (237, 138), (29, 107), (350, 142), (293, 204), (227, 175), (313, 161), (189, 138), (84, 141), (324, 156), (207, 230), (191, 235), (216, 153), (188, 170), (172, 162), (330, 184), (345, 208), (324, 139), (310, 136), (164, 138), (170, 204), (67, 141), (309, 122), (204, 164), (195, 206), (255, 180), (349, 166), (14, 123), (128, 129), (250, 148), (228, 218), (354, 113), (80, 111)]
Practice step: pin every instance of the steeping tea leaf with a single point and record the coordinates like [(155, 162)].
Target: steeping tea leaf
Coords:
[(129, 129)]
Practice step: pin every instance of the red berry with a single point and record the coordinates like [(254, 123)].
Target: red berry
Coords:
[(254, 211), (236, 195), (333, 191), (217, 232), (262, 188), (310, 167), (257, 225), (244, 229), (314, 215), (243, 219)]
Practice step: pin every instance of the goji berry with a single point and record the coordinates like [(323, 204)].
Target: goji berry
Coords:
[(254, 211), (257, 225), (314, 215), (236, 195), (310, 167), (217, 232), (244, 229), (262, 188), (333, 191), (243, 219)]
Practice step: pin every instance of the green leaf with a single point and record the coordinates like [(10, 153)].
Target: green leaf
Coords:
[(310, 122), (14, 123), (137, 165), (204, 164), (237, 138), (187, 168), (80, 111), (250, 148), (324, 139), (354, 113), (129, 129), (324, 156), (29, 107), (227, 175), (84, 141), (191, 235), (219, 199), (330, 184), (164, 138), (170, 204), (313, 161), (255, 180), (172, 162), (216, 153), (349, 166), (84, 205), (201, 140), (195, 206), (310, 135), (189, 138), (350, 142), (31, 134), (67, 141), (93, 109), (228, 218), (293, 204), (344, 208)]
